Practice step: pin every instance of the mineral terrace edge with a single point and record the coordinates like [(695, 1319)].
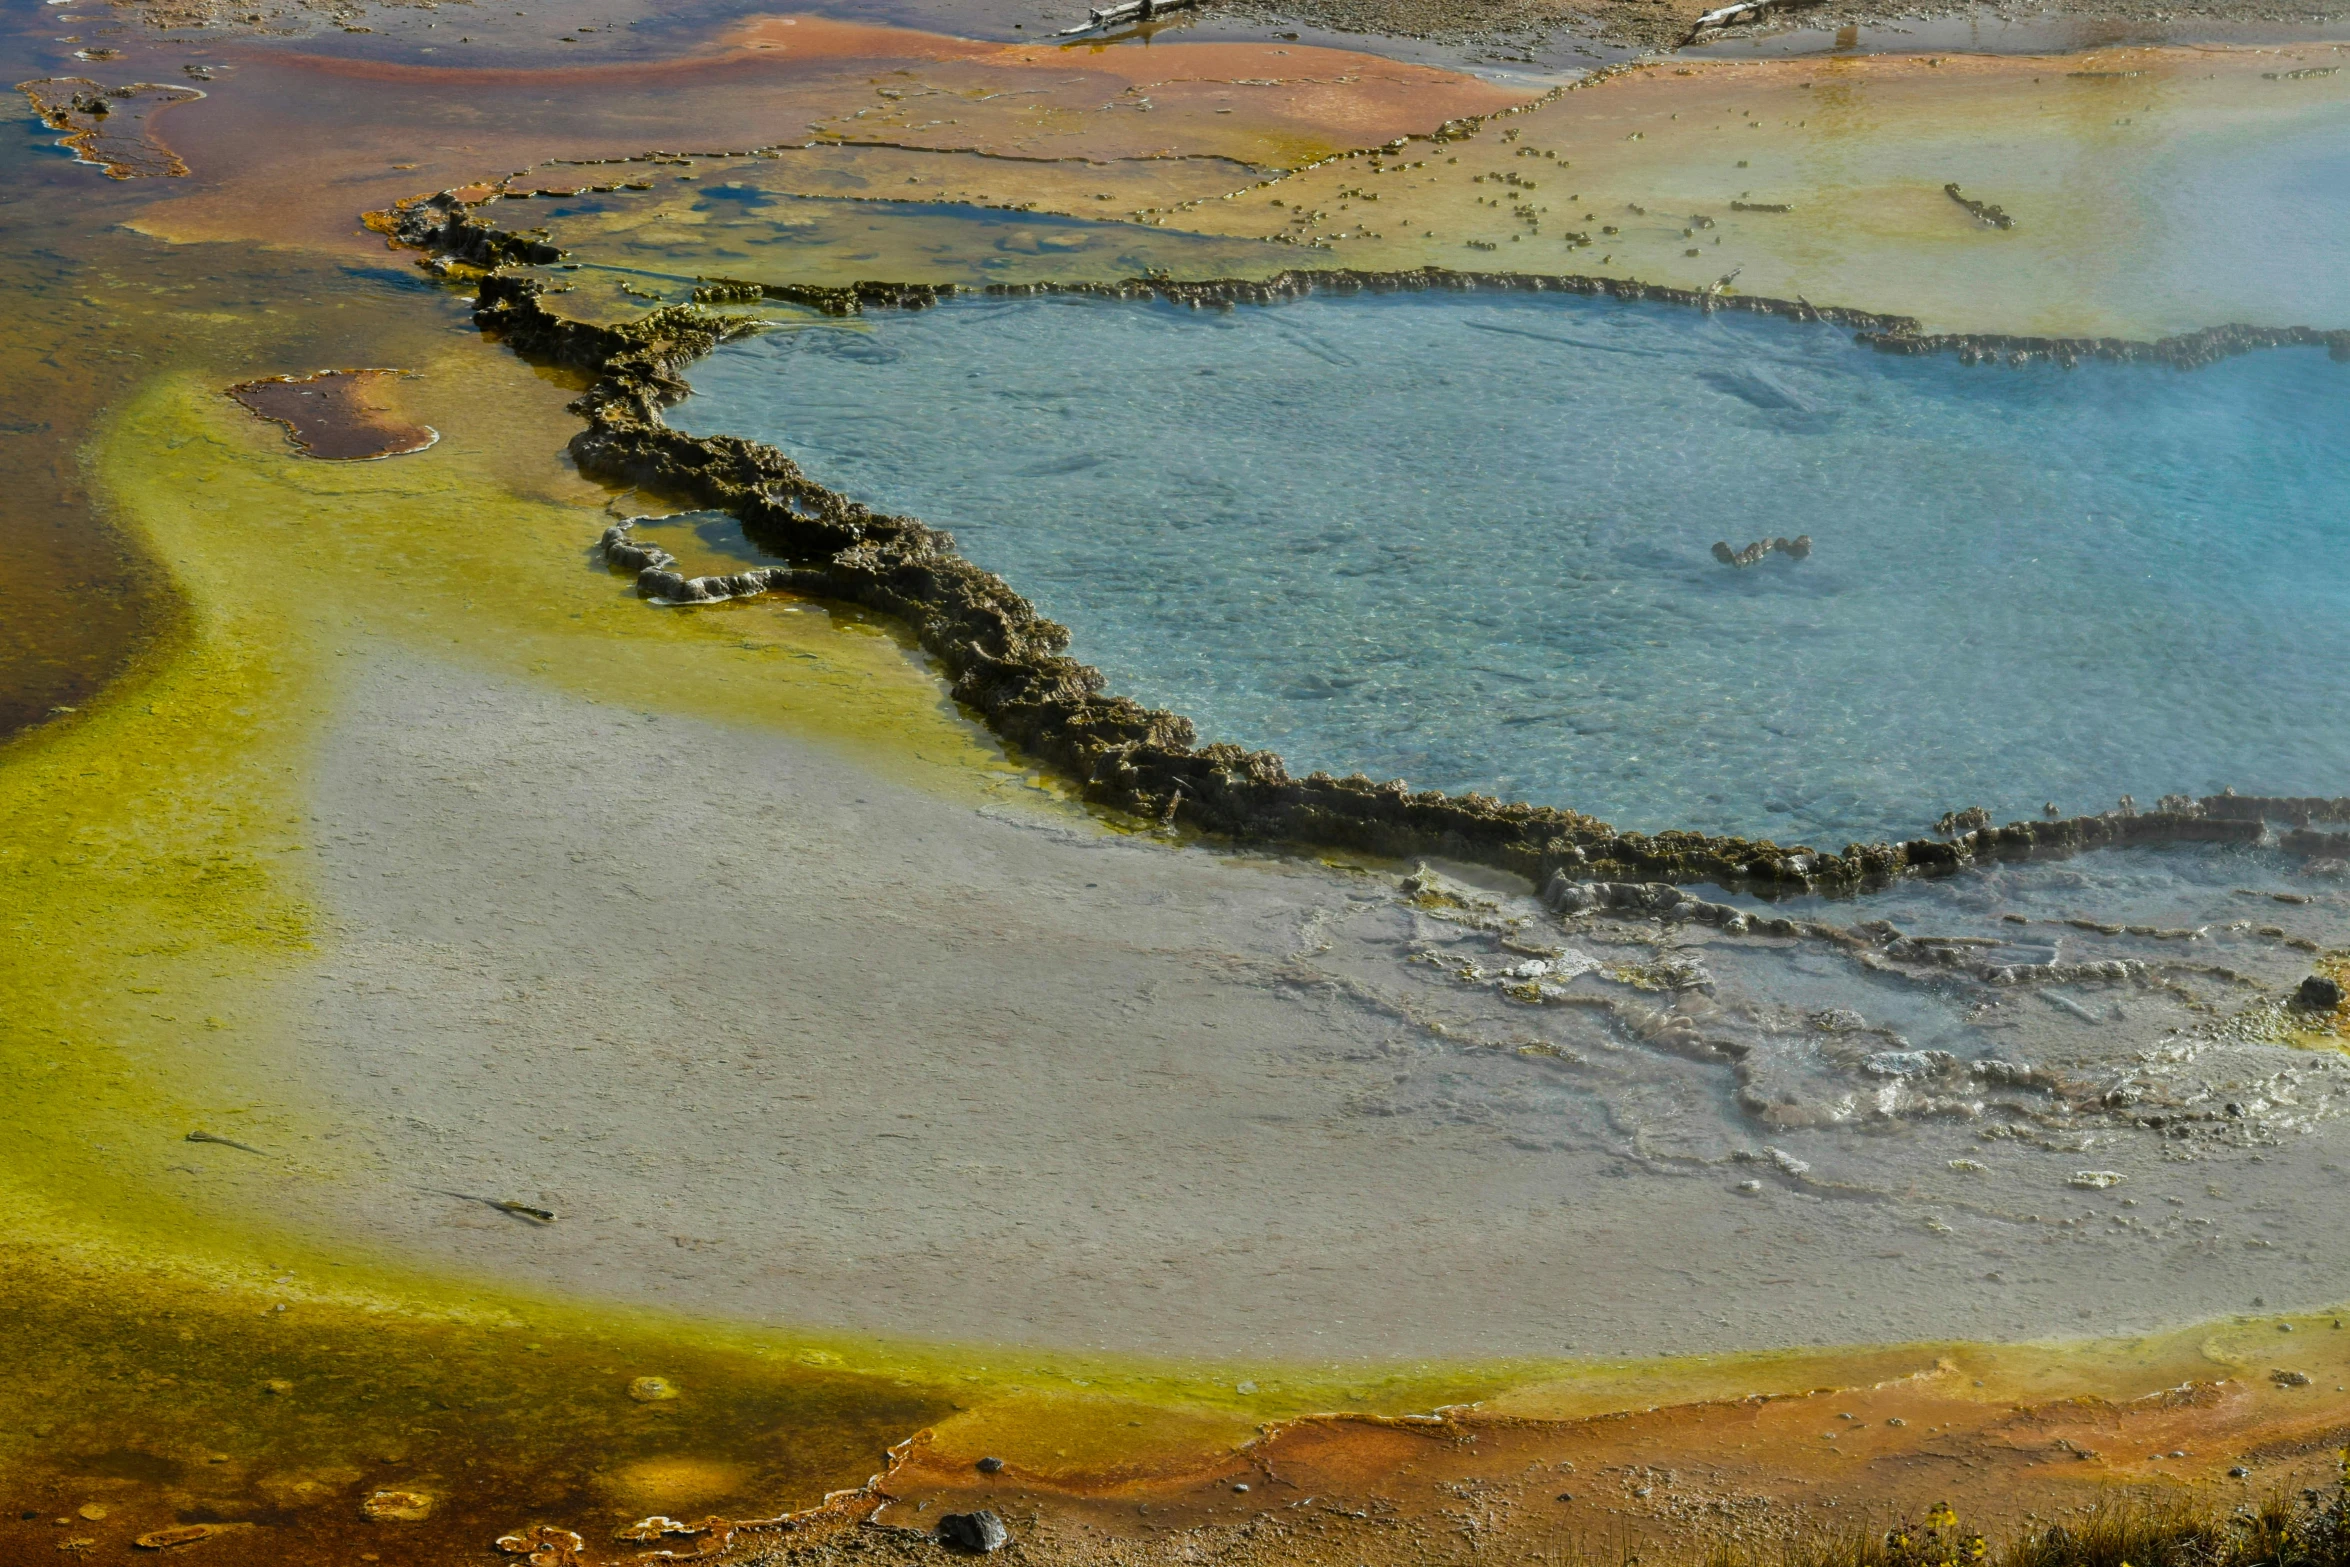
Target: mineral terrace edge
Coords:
[(1009, 664)]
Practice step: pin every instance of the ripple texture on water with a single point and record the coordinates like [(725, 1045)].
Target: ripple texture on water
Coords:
[(1467, 542)]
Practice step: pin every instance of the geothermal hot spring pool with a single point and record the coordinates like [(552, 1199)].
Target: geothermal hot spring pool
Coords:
[(1465, 540)]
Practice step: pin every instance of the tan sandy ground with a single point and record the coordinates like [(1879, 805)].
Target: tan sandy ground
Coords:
[(786, 1042)]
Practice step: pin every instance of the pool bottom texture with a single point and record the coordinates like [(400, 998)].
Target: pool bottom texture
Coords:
[(1466, 541)]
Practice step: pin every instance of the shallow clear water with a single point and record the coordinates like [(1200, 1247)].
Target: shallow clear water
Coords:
[(1466, 541)]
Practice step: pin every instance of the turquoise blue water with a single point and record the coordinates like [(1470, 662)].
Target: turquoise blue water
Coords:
[(1465, 541)]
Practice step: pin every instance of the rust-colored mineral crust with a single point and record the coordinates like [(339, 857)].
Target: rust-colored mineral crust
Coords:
[(108, 125), (338, 415)]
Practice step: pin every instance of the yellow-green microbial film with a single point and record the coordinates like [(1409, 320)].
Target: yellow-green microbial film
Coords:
[(1827, 180), (159, 889), (1992, 1376), (483, 548), (2274, 1020), (155, 849)]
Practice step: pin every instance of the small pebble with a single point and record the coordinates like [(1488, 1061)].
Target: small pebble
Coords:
[(979, 1534), (989, 1466)]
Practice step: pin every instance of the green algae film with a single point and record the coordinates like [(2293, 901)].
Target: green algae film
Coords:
[(156, 850), (153, 852)]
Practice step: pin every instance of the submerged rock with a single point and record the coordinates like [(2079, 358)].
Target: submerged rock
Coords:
[(1910, 1063), (397, 1506), (1797, 548)]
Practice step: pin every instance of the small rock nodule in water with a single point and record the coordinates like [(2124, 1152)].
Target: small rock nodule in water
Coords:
[(978, 1533), (1796, 548), (1983, 212), (2318, 994)]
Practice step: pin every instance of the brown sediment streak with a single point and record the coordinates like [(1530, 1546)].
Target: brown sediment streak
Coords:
[(1103, 161), (265, 188), (331, 414), (1009, 664), (107, 126), (806, 36), (508, 187), (1982, 212), (811, 40), (770, 42)]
